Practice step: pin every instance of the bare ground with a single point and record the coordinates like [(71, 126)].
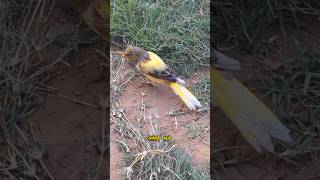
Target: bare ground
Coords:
[(160, 101), (71, 130)]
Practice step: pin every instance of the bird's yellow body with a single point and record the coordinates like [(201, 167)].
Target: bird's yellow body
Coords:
[(156, 62), (153, 67)]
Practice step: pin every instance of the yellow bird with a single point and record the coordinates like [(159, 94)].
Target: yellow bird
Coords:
[(254, 120), (152, 66)]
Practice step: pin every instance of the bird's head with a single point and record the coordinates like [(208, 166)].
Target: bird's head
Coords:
[(133, 54)]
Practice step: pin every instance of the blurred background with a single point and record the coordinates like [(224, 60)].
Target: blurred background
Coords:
[(53, 91), (278, 45)]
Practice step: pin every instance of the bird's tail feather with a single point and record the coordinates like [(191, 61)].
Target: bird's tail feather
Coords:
[(186, 96), (254, 120)]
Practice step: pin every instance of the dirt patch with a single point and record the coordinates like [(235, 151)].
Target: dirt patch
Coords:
[(70, 130), (160, 101)]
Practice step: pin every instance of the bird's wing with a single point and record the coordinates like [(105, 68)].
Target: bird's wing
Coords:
[(164, 74), (156, 68)]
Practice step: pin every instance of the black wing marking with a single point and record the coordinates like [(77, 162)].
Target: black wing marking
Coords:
[(166, 74)]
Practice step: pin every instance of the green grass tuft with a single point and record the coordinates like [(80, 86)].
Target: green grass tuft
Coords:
[(178, 31)]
